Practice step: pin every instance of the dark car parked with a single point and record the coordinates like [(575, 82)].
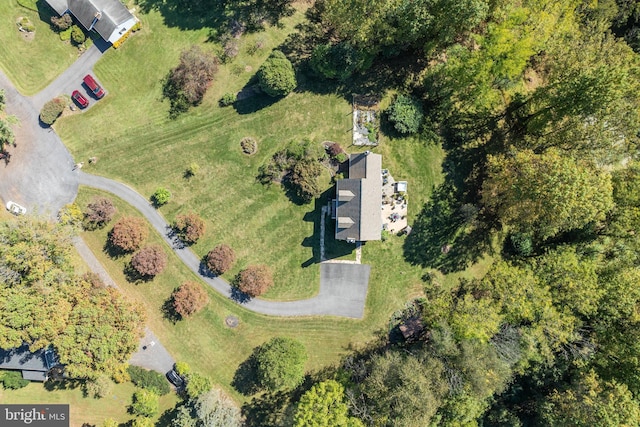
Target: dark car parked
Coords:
[(80, 100), (175, 379), (93, 86)]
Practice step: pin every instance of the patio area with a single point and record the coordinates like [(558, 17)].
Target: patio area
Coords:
[(394, 203)]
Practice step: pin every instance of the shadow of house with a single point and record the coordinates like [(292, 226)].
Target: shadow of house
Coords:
[(34, 366), (109, 18)]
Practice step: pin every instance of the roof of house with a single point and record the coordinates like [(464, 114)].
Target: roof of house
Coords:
[(358, 199), (110, 13), (22, 358)]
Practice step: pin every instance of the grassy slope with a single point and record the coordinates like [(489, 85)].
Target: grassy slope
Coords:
[(83, 409), (31, 65)]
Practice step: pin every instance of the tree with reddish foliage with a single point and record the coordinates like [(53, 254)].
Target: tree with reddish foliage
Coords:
[(128, 233), (149, 261), (188, 82), (221, 259), (189, 298), (99, 212), (189, 227), (255, 280)]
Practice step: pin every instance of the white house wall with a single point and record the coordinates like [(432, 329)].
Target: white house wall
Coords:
[(118, 32)]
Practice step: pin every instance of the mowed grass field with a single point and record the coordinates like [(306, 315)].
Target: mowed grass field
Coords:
[(84, 409), (212, 348), (31, 64)]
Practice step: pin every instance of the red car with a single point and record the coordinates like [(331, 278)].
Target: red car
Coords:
[(93, 86), (80, 100)]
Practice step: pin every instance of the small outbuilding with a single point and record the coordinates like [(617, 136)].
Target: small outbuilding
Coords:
[(34, 366)]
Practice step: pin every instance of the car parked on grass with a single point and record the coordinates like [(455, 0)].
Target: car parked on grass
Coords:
[(80, 100), (175, 379), (15, 208), (93, 86)]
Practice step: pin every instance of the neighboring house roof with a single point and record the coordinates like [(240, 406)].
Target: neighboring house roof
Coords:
[(104, 16), (34, 365), (358, 199)]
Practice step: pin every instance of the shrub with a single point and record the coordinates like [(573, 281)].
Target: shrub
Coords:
[(255, 280), (99, 212), (342, 157), (231, 49), (197, 384), (227, 99), (149, 380), (98, 388), (189, 227), (249, 145), (522, 244), (12, 380), (65, 35), (160, 197), (192, 170), (406, 114), (128, 233), (77, 35), (333, 149), (182, 368), (71, 214), (276, 76), (149, 261), (26, 25), (280, 363), (189, 298), (52, 110), (188, 82), (61, 23), (220, 259), (94, 279), (304, 177), (145, 403)]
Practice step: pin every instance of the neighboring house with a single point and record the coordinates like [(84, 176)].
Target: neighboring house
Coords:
[(109, 18), (34, 366), (359, 198)]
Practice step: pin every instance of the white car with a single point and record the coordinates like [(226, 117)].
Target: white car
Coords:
[(15, 208)]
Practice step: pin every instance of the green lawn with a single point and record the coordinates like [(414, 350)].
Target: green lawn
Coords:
[(83, 409), (31, 64)]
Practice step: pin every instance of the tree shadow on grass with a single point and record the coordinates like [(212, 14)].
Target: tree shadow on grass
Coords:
[(112, 250), (254, 103), (245, 378), (189, 15), (169, 311), (133, 276), (267, 410)]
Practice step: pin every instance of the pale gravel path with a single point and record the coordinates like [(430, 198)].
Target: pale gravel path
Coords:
[(151, 354)]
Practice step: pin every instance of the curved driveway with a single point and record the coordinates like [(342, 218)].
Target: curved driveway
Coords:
[(40, 176)]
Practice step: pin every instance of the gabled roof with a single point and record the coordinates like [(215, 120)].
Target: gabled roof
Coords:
[(23, 359), (110, 14), (359, 199)]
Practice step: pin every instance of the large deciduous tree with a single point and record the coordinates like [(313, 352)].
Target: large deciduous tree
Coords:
[(255, 280), (324, 406), (280, 363), (189, 227), (220, 259), (149, 261), (547, 193), (189, 298), (128, 233)]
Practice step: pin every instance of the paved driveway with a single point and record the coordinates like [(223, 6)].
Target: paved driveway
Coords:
[(39, 175)]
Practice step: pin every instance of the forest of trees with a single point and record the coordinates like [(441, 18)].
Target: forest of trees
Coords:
[(536, 104)]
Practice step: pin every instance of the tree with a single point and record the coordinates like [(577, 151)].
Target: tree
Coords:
[(7, 136), (189, 227), (255, 280), (71, 215), (186, 84), (276, 76), (324, 406), (197, 384), (145, 403), (280, 363), (52, 110), (128, 233), (591, 402), (110, 422), (142, 422), (99, 212), (406, 114), (149, 261), (213, 408), (149, 380), (220, 259), (338, 61), (545, 194), (12, 380), (61, 23), (99, 387), (189, 298), (160, 197), (304, 177)]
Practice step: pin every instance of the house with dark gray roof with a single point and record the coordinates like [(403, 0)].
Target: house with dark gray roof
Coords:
[(109, 18), (34, 366), (358, 199)]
